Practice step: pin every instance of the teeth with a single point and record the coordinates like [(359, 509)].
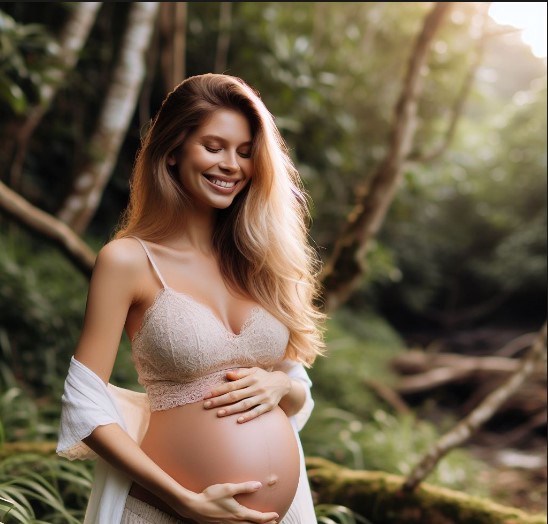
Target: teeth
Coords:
[(222, 183)]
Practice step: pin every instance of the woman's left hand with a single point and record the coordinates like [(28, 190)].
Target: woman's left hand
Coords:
[(250, 391)]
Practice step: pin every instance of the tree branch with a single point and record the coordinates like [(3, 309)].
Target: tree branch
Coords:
[(466, 427), (462, 96), (47, 226), (344, 271)]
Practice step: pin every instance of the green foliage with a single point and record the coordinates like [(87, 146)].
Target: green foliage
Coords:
[(351, 426), (28, 60), (42, 305), (42, 489), (360, 346), (24, 417), (389, 443), (41, 310), (478, 221), (333, 514)]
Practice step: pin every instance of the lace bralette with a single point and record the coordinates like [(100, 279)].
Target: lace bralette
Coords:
[(182, 350)]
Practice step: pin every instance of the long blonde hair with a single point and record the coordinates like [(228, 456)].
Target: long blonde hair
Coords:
[(263, 235)]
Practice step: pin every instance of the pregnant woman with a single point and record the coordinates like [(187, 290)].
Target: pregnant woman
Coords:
[(211, 277)]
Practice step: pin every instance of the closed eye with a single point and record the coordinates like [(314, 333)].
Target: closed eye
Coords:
[(212, 149)]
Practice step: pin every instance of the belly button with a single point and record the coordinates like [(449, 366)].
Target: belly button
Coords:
[(272, 480)]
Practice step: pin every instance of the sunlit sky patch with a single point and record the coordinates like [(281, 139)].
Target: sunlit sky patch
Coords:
[(530, 17)]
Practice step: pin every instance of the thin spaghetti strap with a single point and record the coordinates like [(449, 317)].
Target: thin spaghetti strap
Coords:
[(155, 267)]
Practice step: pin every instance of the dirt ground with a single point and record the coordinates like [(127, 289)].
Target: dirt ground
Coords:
[(517, 477)]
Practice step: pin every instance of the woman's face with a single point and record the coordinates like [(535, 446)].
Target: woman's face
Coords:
[(214, 164)]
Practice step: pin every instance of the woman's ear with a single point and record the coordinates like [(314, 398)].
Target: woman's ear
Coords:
[(171, 161)]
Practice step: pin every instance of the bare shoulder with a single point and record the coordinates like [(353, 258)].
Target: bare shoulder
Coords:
[(121, 266), (122, 255)]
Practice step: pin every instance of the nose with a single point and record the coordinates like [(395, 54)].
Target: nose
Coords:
[(229, 162)]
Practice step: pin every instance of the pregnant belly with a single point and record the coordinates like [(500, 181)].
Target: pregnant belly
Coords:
[(199, 449)]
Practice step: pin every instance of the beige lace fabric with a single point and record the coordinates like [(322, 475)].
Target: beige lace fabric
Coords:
[(182, 349)]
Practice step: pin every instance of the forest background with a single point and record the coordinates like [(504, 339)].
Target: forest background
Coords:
[(450, 261)]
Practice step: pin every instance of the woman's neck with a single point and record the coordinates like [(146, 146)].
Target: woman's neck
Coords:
[(196, 232)]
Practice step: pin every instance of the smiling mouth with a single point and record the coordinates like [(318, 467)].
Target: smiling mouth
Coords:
[(219, 182)]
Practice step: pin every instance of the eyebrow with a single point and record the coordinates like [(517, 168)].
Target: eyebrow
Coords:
[(221, 139)]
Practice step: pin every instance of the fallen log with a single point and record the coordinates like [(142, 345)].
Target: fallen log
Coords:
[(425, 371), (490, 405), (8, 449), (379, 497)]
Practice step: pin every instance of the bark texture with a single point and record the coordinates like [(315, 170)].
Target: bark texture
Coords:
[(118, 108)]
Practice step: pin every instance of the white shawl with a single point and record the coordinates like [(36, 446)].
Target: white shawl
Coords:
[(88, 403)]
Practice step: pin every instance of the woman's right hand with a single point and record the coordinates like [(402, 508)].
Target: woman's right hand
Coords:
[(217, 505)]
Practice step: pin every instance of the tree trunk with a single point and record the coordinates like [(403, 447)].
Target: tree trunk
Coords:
[(42, 223), (462, 96), (466, 427), (173, 17), (378, 497), (425, 372), (114, 120), (71, 41), (344, 271), (223, 41)]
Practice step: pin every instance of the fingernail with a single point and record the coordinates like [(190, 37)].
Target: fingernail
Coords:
[(241, 419), (209, 395), (257, 485), (221, 412), (207, 404)]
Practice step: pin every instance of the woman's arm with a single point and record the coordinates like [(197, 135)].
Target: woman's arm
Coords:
[(114, 288)]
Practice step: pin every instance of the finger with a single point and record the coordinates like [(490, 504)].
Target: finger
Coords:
[(252, 515), (244, 405), (233, 489), (254, 413), (229, 387), (261, 518), (236, 374), (229, 399)]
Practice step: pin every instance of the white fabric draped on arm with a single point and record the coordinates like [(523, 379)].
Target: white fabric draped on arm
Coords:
[(295, 370), (86, 404)]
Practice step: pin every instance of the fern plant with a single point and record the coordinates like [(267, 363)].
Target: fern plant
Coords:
[(43, 489), (335, 514)]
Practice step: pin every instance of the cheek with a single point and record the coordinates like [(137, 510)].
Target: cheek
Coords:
[(248, 170)]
